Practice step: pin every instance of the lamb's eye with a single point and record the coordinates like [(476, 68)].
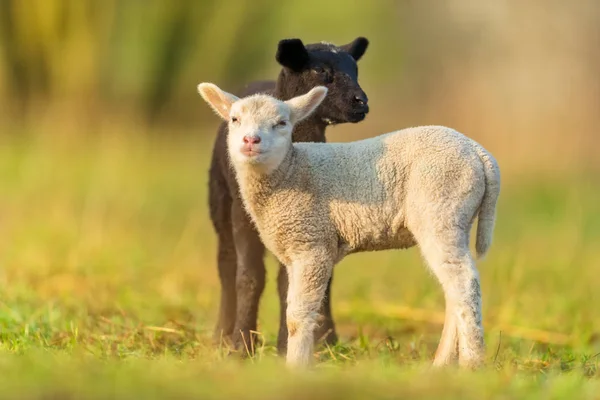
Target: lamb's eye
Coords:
[(280, 124), (323, 74), (234, 119)]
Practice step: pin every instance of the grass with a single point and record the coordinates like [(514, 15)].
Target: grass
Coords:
[(109, 288)]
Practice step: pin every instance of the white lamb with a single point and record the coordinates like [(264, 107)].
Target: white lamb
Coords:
[(314, 203)]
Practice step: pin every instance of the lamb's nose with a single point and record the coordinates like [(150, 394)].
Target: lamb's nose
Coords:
[(360, 99), (251, 139)]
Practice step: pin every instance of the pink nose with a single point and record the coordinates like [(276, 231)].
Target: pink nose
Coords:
[(251, 139)]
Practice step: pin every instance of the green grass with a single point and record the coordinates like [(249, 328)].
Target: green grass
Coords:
[(109, 288)]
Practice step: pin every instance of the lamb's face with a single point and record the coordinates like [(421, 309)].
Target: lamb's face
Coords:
[(260, 126), (260, 131), (325, 64)]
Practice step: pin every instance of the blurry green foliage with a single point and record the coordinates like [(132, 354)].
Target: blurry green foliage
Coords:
[(145, 55)]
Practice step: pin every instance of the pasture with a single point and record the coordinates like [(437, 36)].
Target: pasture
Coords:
[(109, 287)]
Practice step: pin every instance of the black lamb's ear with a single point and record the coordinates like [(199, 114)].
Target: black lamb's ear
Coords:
[(292, 54), (357, 47)]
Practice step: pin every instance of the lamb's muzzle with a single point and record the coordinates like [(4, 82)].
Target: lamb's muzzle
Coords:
[(314, 203)]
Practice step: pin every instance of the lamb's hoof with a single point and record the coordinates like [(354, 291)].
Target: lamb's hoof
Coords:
[(323, 334), (282, 349), (220, 338), (325, 331), (299, 365), (445, 360), (326, 336), (472, 363), (245, 344)]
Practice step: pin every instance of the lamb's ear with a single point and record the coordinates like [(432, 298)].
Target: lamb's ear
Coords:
[(303, 106), (357, 47), (219, 100), (292, 54)]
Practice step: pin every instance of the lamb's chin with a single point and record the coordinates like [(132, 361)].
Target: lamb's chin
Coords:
[(250, 160)]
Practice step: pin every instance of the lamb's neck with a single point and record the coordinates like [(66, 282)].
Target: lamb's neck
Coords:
[(256, 185)]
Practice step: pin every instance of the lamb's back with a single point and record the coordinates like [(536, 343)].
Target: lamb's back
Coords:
[(371, 170), (364, 184)]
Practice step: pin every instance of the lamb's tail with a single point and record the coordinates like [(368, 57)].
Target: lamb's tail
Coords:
[(487, 210)]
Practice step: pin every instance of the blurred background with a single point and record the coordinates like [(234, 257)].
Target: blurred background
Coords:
[(524, 75), (105, 145)]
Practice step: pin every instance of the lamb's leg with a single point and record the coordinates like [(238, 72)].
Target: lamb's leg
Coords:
[(250, 278), (449, 258), (460, 281), (447, 351), (220, 213), (308, 282), (326, 328), (282, 290), (469, 318), (227, 264)]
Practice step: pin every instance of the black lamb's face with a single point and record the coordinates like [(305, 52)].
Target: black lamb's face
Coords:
[(325, 64)]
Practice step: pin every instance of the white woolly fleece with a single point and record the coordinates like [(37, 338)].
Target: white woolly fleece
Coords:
[(314, 203), (373, 194)]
